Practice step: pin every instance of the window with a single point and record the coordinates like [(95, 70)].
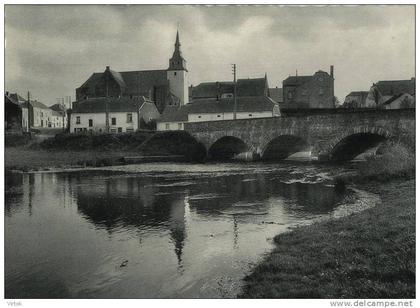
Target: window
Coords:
[(199, 117), (167, 126), (129, 130), (250, 114), (113, 130), (84, 129), (75, 129), (218, 115), (120, 129), (174, 73), (113, 121), (129, 118), (77, 120), (180, 126), (90, 122)]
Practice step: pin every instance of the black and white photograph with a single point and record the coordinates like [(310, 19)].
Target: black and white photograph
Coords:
[(210, 151)]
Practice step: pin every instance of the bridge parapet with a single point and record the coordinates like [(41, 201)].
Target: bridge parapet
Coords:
[(322, 131)]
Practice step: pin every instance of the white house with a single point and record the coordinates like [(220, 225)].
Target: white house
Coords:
[(213, 109), (115, 115)]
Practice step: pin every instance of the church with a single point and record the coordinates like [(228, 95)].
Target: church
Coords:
[(110, 91), (164, 87)]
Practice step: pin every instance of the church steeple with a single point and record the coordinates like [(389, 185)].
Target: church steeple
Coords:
[(177, 62)]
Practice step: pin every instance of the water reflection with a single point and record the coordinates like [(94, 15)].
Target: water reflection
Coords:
[(179, 233)]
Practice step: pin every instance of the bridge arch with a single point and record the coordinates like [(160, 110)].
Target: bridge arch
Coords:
[(350, 144), (226, 148), (283, 146), (174, 143)]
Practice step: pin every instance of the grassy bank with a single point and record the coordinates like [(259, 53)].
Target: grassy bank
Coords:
[(27, 159), (366, 255)]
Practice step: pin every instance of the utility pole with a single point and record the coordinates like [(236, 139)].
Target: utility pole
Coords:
[(234, 90), (30, 114)]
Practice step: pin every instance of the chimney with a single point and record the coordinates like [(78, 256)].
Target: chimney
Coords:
[(332, 71)]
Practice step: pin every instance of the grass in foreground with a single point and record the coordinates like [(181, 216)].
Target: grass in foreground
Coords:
[(365, 255)]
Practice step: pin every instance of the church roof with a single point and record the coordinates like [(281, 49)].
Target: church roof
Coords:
[(99, 105), (212, 105)]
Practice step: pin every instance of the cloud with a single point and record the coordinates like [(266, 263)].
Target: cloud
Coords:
[(53, 49)]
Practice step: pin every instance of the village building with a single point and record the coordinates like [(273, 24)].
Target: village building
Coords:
[(214, 101), (315, 91), (58, 116), (212, 109), (225, 89), (113, 114), (355, 99), (16, 117), (277, 95), (163, 87), (393, 94)]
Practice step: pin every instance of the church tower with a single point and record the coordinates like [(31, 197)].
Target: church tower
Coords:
[(177, 74)]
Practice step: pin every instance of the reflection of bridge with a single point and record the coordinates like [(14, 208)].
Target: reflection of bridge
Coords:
[(331, 134)]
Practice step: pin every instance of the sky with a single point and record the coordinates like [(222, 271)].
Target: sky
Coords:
[(50, 50)]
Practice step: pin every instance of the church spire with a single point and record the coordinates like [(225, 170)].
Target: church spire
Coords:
[(177, 62)]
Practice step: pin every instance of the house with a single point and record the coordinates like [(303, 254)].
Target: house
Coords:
[(40, 115), (113, 114), (382, 91), (276, 94), (59, 116), (400, 101), (315, 91), (163, 87), (225, 89), (356, 99), (217, 109), (16, 117)]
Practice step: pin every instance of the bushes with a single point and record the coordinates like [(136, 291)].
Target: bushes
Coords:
[(393, 160), (14, 140), (82, 142)]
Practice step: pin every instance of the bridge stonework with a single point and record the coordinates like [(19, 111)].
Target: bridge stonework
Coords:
[(321, 130)]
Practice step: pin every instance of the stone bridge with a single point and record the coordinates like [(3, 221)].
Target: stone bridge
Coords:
[(335, 134)]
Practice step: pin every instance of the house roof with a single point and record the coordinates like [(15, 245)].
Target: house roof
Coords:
[(57, 113), (37, 104), (102, 104), (296, 80), (245, 87), (394, 87), (393, 98), (358, 93), (252, 86), (212, 105), (15, 98), (58, 108), (276, 94)]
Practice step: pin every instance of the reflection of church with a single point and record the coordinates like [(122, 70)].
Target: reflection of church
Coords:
[(131, 202)]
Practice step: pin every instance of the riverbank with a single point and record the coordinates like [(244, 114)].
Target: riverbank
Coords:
[(27, 159), (365, 255)]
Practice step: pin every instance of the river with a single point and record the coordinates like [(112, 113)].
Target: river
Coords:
[(158, 230)]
